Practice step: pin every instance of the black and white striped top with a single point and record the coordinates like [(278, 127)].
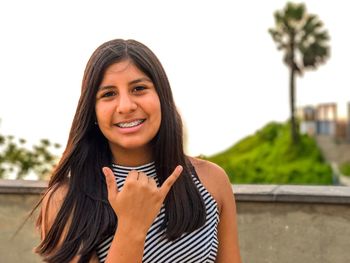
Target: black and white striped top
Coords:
[(200, 245)]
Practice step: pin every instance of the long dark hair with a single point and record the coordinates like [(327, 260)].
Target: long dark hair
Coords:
[(87, 151)]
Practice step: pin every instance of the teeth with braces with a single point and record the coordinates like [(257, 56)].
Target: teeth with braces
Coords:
[(129, 124)]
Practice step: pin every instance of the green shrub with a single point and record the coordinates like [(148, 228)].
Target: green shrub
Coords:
[(269, 156)]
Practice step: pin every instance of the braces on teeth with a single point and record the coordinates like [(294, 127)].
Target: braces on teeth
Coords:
[(129, 124)]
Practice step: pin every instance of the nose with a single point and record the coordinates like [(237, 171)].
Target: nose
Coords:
[(126, 104)]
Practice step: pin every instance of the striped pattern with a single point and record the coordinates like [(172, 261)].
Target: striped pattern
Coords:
[(198, 246)]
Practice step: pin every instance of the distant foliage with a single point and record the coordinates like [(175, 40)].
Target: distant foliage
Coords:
[(269, 156), (18, 161), (345, 168), (305, 44)]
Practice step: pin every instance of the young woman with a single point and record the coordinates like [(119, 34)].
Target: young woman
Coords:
[(124, 191)]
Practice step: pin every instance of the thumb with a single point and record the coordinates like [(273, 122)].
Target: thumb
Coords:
[(168, 183), (112, 187)]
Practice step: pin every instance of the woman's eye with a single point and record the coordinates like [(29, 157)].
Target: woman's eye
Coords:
[(139, 88), (108, 94)]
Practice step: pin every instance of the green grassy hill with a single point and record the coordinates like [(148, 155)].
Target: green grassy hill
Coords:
[(268, 156)]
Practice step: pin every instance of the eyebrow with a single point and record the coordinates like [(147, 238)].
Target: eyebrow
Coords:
[(130, 83), (140, 80)]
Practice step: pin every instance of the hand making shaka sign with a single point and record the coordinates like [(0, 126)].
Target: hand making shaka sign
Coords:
[(140, 200)]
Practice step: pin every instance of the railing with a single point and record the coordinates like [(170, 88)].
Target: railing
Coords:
[(276, 223)]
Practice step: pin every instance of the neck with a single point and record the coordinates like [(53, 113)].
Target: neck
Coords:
[(132, 157)]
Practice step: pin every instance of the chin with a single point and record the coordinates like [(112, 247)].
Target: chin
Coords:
[(133, 145)]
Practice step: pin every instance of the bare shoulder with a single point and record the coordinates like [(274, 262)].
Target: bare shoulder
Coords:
[(213, 177), (209, 169)]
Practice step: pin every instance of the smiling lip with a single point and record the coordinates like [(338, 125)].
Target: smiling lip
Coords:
[(130, 126)]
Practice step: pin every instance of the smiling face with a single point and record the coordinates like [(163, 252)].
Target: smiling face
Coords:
[(128, 110)]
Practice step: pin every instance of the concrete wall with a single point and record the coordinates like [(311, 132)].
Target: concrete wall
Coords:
[(275, 232), (285, 224), (13, 210), (277, 224)]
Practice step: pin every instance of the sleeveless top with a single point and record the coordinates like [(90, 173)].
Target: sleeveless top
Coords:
[(200, 245)]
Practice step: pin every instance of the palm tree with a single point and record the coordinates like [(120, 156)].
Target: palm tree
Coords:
[(305, 45)]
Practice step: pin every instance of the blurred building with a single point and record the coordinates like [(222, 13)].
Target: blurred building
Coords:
[(322, 119)]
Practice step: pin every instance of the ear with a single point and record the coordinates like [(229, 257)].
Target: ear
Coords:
[(95, 120)]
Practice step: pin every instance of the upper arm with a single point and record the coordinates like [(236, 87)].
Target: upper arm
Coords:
[(227, 233), (216, 181), (51, 205)]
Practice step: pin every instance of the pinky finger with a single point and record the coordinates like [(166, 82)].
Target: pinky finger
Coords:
[(168, 183)]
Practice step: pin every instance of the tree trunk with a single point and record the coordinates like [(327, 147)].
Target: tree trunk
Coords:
[(293, 124)]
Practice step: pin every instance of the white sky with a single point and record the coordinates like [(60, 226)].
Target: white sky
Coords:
[(226, 73)]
